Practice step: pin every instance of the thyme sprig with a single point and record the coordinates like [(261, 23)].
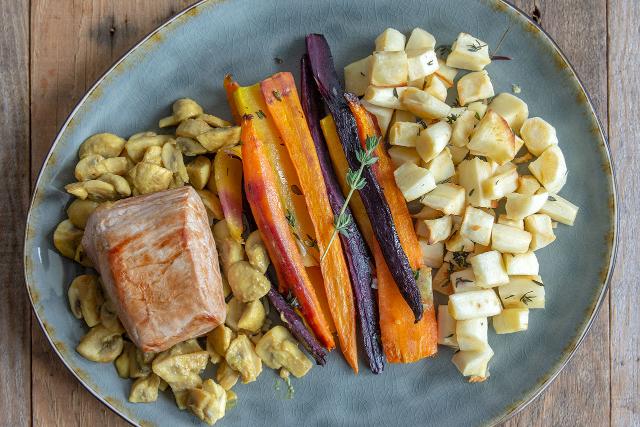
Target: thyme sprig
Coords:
[(476, 46), (356, 181)]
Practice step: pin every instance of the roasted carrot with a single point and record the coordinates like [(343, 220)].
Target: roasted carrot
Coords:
[(230, 86), (261, 191), (228, 178), (284, 106)]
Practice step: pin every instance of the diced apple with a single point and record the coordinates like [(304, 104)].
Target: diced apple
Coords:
[(522, 292), (404, 133), (507, 239), (503, 182), (459, 243), (504, 219), (383, 115), (357, 76), (469, 53), (437, 230), (513, 109), (422, 104), (458, 154), (420, 39), (478, 107), (442, 167), (538, 135), (473, 363), (436, 87), (474, 304), (489, 270), (560, 209), (432, 255), (471, 174), (446, 73), (550, 169), (441, 282), (387, 97), (493, 138), (463, 281), (476, 225), (520, 206), (527, 184), (541, 229), (447, 198), (390, 40), (401, 155), (421, 63), (463, 128), (389, 69), (472, 334), (511, 320), (474, 87), (413, 181), (433, 140), (525, 264)]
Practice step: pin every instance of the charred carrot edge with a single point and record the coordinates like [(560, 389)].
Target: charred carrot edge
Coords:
[(284, 105), (230, 86), (228, 177), (261, 191)]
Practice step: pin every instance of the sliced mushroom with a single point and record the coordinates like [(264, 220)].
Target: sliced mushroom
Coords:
[(80, 210), (85, 299), (81, 257), (116, 165), (89, 167), (149, 177), (145, 390), (213, 121), (191, 128), (232, 400), (247, 283), (213, 356), (241, 356), (199, 171), (123, 361), (138, 144), (252, 317), (120, 184), (216, 138), (66, 238), (94, 189), (104, 144), (257, 252), (185, 108), (219, 339), (109, 318), (225, 376), (139, 368), (229, 250), (211, 203), (100, 345), (172, 159), (190, 147), (226, 289), (278, 349), (208, 402), (235, 308), (153, 155), (181, 371), (163, 385), (181, 397)]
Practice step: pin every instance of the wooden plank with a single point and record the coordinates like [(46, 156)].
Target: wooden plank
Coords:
[(73, 43), (624, 128), (580, 394), (15, 314)]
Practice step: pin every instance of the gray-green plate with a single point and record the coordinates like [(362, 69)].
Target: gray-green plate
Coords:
[(188, 57)]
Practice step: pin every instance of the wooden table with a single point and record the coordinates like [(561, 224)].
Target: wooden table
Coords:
[(51, 51)]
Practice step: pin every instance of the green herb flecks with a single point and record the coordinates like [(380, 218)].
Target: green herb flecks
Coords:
[(261, 114), (291, 219), (525, 298), (277, 95), (451, 118), (476, 46), (395, 93)]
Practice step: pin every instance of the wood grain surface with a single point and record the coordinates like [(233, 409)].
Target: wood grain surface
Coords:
[(51, 51)]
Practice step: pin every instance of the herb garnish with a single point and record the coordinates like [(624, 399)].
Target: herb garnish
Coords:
[(525, 298), (471, 191), (422, 123), (430, 62), (451, 118), (291, 219), (510, 296), (416, 274), (476, 46), (261, 114), (449, 336), (277, 95), (310, 242), (395, 92), (460, 280), (477, 116), (356, 182), (538, 283), (552, 199), (443, 50), (460, 258)]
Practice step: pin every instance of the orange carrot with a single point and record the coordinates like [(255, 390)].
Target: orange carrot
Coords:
[(284, 106), (261, 191), (228, 178), (230, 86)]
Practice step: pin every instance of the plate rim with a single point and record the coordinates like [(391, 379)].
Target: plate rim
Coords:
[(530, 395)]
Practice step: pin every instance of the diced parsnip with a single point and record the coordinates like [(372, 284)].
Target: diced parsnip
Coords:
[(447, 198), (446, 328), (432, 255), (468, 53), (389, 69), (518, 223), (420, 39), (489, 269), (473, 363), (503, 182), (471, 174), (538, 135), (472, 334), (478, 107), (390, 40), (421, 228), (527, 184), (383, 115), (522, 292), (459, 243), (525, 264), (463, 128), (402, 116), (560, 209), (433, 140), (480, 249), (417, 83), (513, 109), (442, 167), (541, 229), (550, 169), (520, 206), (493, 138), (474, 87), (519, 143), (464, 281), (436, 87), (474, 304), (387, 97), (476, 225), (441, 281), (507, 239), (413, 181), (446, 73), (357, 76), (401, 155), (437, 230), (428, 213), (421, 63), (458, 154), (404, 133), (422, 104), (511, 320)]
